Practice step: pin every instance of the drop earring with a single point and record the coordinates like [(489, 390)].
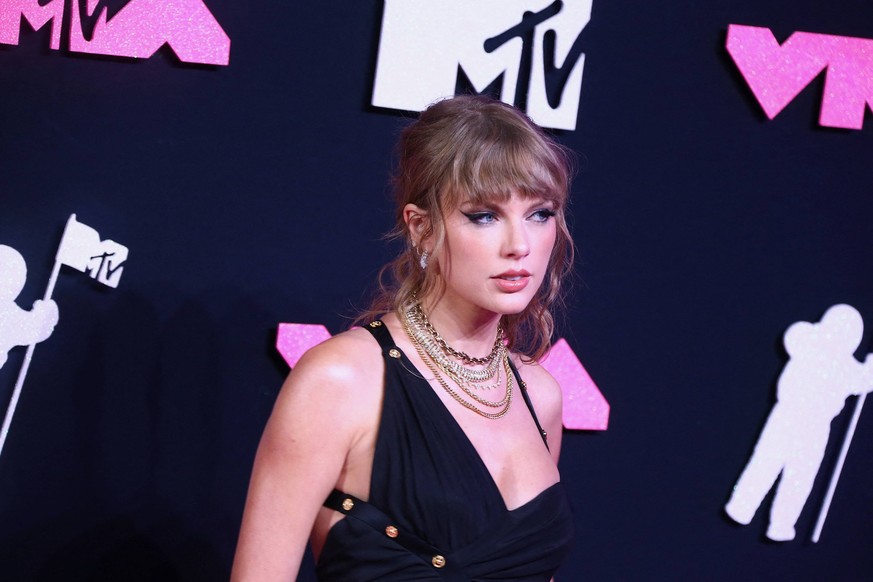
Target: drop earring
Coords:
[(422, 260)]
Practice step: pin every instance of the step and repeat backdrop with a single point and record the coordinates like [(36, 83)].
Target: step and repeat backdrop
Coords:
[(192, 192)]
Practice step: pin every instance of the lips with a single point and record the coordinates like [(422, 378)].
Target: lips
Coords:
[(512, 281)]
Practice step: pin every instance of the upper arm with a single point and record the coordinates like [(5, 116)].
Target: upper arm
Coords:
[(319, 415)]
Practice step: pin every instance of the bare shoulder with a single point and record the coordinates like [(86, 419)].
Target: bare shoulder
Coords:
[(340, 378), (344, 359)]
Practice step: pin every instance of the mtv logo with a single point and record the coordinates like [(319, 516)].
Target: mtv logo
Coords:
[(82, 249), (777, 73), (527, 51), (107, 266), (122, 28)]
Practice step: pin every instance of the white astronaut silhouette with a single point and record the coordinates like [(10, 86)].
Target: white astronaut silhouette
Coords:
[(17, 326), (820, 374)]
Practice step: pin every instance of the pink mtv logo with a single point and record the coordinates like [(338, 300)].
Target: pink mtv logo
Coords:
[(137, 29), (295, 338), (777, 73), (585, 408)]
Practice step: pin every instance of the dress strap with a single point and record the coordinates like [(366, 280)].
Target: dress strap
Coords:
[(386, 342), (379, 331), (529, 403), (352, 507)]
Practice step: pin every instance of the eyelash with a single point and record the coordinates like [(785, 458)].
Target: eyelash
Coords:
[(545, 214), (477, 217), (542, 215)]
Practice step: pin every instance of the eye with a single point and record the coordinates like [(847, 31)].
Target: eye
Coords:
[(483, 217), (542, 215)]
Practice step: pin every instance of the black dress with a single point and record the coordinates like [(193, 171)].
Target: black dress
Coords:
[(435, 512)]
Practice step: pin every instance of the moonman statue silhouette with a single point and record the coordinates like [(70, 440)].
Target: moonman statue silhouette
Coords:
[(820, 374), (17, 326)]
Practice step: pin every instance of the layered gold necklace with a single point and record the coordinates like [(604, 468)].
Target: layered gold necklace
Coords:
[(442, 360)]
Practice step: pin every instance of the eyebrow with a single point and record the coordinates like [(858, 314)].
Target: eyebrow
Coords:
[(468, 205), (543, 202)]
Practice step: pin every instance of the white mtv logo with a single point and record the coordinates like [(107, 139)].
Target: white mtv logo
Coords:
[(528, 51)]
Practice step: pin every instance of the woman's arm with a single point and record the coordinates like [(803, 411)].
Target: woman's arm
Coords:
[(322, 411)]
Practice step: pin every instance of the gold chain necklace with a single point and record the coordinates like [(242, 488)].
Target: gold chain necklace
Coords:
[(418, 313), (422, 331), (503, 404), (470, 391)]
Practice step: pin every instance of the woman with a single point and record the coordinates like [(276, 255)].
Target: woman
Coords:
[(425, 429)]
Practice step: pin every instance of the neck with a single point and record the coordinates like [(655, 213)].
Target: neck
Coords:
[(471, 331)]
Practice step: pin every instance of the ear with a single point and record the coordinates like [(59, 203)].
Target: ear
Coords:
[(418, 222)]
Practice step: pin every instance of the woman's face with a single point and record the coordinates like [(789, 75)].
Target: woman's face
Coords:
[(496, 255)]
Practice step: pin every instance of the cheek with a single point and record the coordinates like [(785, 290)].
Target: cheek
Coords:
[(546, 251), (466, 249), (466, 262), (548, 240)]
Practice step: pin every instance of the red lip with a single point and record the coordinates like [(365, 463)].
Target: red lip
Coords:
[(512, 281)]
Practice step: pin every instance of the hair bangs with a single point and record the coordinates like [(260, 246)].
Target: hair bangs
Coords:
[(492, 171)]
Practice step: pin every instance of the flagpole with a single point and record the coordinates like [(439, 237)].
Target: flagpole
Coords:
[(22, 374), (835, 477)]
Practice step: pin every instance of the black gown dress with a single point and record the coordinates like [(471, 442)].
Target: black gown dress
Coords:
[(435, 512)]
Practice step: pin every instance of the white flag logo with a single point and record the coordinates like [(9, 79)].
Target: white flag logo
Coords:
[(82, 249)]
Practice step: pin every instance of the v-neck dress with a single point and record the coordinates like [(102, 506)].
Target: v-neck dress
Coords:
[(435, 512)]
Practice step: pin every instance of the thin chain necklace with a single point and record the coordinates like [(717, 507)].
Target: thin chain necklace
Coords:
[(432, 364), (421, 329), (418, 313)]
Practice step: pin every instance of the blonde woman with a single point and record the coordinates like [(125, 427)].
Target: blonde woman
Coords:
[(424, 444)]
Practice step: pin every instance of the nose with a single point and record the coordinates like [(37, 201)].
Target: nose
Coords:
[(517, 244)]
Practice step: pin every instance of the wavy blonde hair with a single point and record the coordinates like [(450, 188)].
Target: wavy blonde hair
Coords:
[(475, 148)]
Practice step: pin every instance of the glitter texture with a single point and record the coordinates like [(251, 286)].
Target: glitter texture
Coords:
[(19, 327), (295, 338), (80, 248), (585, 408), (777, 73), (11, 12), (139, 29), (143, 26), (820, 374)]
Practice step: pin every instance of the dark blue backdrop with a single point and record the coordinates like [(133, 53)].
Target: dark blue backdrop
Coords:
[(256, 194)]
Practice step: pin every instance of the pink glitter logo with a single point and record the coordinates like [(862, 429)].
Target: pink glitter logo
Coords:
[(777, 73), (136, 29)]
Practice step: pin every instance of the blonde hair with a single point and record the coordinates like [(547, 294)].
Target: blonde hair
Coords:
[(475, 148)]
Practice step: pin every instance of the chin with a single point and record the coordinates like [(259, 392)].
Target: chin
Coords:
[(513, 305)]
